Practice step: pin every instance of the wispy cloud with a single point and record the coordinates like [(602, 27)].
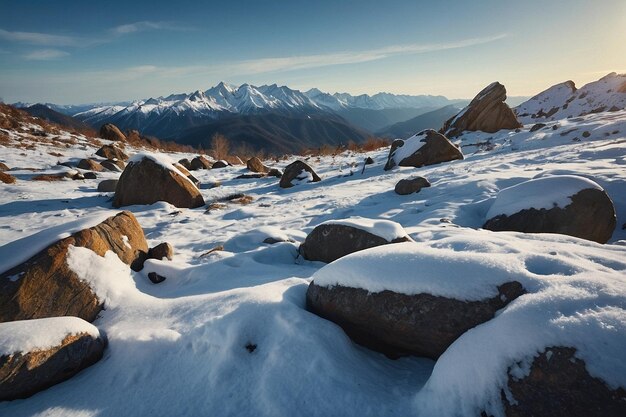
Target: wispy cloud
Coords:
[(45, 55), (146, 26), (36, 38)]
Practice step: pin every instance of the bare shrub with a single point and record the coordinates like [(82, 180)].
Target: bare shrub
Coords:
[(219, 146)]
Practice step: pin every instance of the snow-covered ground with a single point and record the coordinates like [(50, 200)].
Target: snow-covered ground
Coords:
[(228, 334)]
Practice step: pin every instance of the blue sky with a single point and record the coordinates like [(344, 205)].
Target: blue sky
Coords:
[(83, 51)]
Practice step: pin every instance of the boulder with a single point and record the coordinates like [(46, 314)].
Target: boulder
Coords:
[(299, 171), (331, 241), (369, 160), (487, 112), (559, 385), (23, 374), (156, 278), (146, 181), (233, 160), (112, 152), (186, 163), (537, 126), (90, 165), (274, 172), (107, 186), (47, 287), (589, 213), (220, 164), (398, 324), (90, 175), (7, 178), (113, 165), (199, 162), (425, 148), (411, 185), (254, 164), (3, 167), (111, 132), (160, 251), (186, 173)]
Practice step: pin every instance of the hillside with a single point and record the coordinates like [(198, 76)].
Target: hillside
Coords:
[(430, 120), (69, 123)]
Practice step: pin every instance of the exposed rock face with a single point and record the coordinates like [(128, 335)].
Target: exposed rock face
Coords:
[(112, 152), (113, 165), (297, 170), (591, 216), (160, 251), (199, 162), (329, 242), (254, 164), (487, 112), (111, 132), (107, 186), (399, 324), (7, 178), (47, 287), (24, 374), (146, 182), (186, 173), (434, 148), (90, 165), (411, 185), (559, 385)]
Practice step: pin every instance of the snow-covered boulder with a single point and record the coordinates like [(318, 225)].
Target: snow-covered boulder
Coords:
[(254, 164), (411, 185), (297, 171), (487, 112), (199, 162), (403, 299), (112, 152), (36, 354), (425, 148), (149, 178), (111, 132), (36, 280), (564, 204), (334, 239)]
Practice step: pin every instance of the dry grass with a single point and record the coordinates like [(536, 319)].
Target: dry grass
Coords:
[(219, 146), (215, 206), (212, 250), (373, 143), (49, 177)]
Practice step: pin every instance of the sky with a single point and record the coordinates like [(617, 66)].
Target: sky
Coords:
[(72, 52)]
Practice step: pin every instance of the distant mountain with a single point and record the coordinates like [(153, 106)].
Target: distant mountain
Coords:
[(46, 113), (276, 133), (431, 120), (374, 120), (565, 100)]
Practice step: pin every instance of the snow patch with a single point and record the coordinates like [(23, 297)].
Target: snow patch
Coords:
[(386, 229)]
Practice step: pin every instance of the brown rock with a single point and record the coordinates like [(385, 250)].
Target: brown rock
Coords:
[(329, 242), (436, 149), (233, 160), (186, 163), (297, 171), (220, 164), (113, 165), (559, 385), (399, 324), (107, 186), (47, 287), (111, 132), (3, 167), (160, 251), (274, 172), (487, 112), (146, 182), (411, 185), (591, 216), (7, 178), (254, 164), (200, 162), (90, 175), (90, 165), (186, 173), (24, 374), (537, 126), (112, 152)]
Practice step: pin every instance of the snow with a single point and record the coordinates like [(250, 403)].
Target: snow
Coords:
[(195, 326), (24, 336), (386, 229), (540, 193), (410, 146), (163, 160)]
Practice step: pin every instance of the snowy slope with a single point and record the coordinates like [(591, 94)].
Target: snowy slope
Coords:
[(228, 334), (564, 100)]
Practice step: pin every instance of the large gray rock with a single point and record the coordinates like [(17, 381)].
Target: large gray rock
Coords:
[(430, 148), (297, 170), (411, 185)]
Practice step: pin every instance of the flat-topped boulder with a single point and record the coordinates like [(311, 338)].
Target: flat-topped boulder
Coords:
[(425, 148), (564, 204), (254, 164), (334, 239), (89, 165), (36, 354), (150, 178), (42, 284), (111, 132), (112, 152), (487, 112), (297, 172)]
